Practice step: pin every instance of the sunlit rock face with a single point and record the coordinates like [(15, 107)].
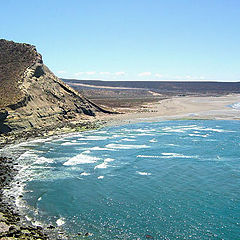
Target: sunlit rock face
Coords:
[(31, 96)]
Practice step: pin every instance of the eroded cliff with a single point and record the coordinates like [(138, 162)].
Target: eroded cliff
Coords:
[(31, 96)]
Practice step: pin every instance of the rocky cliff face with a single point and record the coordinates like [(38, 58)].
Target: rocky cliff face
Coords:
[(31, 96)]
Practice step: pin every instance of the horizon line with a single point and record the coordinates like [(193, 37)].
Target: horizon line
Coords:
[(171, 80)]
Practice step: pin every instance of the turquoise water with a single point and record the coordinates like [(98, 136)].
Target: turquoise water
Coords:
[(170, 180)]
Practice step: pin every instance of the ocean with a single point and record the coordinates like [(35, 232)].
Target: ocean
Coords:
[(153, 180)]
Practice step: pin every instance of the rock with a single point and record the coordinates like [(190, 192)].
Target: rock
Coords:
[(4, 227), (12, 228), (32, 97), (50, 227)]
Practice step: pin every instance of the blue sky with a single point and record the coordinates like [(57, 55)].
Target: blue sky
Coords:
[(130, 39)]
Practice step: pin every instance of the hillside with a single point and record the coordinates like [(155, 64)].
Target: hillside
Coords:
[(32, 97)]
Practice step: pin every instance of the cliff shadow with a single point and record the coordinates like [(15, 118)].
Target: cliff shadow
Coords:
[(3, 127)]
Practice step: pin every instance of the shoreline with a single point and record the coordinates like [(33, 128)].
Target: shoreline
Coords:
[(177, 108), (11, 221), (180, 108), (35, 133), (13, 224), (174, 108)]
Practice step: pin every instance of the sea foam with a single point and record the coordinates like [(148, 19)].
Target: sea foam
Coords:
[(73, 143), (176, 155), (143, 173), (60, 222), (85, 174), (42, 160), (128, 140), (81, 159), (148, 156), (122, 146), (105, 163), (93, 138), (102, 165)]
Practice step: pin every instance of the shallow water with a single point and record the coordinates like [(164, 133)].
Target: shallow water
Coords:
[(170, 180)]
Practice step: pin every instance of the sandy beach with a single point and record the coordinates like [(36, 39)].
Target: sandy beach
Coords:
[(187, 107)]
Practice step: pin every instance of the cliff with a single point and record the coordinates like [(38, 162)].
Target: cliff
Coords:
[(32, 97)]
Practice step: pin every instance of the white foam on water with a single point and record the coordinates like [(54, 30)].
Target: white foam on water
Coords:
[(73, 143), (40, 140), (144, 130), (128, 130), (117, 135), (85, 174), (40, 167), (169, 129), (166, 155), (87, 151), (37, 224), (182, 129), (148, 156), (28, 218), (144, 134), (81, 158), (100, 177), (131, 136), (176, 155), (42, 160), (100, 149), (197, 135), (128, 140), (60, 222), (122, 146), (109, 160), (93, 138), (102, 165), (15, 192), (102, 131), (215, 130), (105, 163), (28, 155), (17, 185), (143, 173)]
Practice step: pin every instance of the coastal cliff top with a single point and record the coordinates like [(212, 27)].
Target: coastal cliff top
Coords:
[(15, 58)]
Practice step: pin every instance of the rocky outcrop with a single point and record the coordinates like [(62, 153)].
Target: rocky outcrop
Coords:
[(32, 96)]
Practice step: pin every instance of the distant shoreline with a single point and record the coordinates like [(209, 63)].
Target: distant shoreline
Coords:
[(180, 108)]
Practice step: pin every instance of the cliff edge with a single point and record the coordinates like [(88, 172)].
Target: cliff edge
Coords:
[(32, 97)]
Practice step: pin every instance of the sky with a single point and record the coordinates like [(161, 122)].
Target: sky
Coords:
[(130, 39)]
